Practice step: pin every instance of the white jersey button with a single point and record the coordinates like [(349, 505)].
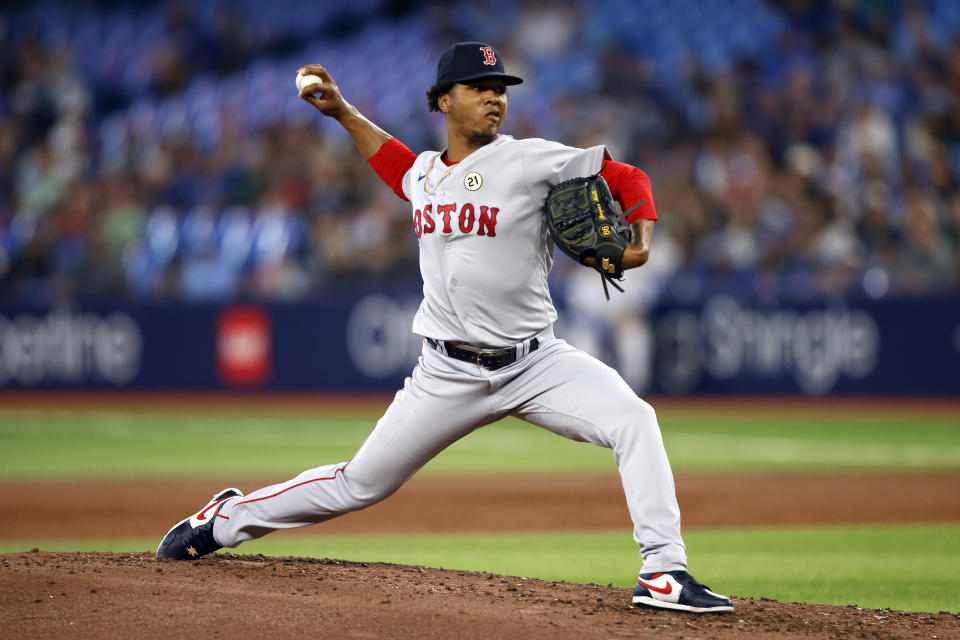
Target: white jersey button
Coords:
[(453, 282)]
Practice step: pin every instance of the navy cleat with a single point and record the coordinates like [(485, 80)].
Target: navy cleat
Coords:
[(193, 537), (679, 591)]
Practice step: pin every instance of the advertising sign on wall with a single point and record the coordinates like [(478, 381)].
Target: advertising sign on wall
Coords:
[(365, 343)]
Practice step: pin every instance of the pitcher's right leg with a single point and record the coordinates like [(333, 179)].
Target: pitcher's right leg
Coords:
[(439, 404)]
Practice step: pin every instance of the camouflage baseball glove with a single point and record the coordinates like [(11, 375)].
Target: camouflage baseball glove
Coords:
[(586, 222)]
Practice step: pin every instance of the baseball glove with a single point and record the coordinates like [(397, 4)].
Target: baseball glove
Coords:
[(586, 222)]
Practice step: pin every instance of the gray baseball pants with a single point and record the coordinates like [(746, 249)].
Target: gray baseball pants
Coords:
[(557, 387)]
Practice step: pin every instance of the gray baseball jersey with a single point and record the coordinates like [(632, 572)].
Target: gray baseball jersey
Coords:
[(484, 256), (485, 251)]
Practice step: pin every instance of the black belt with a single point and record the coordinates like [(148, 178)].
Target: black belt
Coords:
[(492, 359)]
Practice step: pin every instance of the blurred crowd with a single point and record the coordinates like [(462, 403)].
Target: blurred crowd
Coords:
[(158, 151)]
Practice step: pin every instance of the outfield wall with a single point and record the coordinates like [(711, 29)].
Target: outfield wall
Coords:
[(359, 343)]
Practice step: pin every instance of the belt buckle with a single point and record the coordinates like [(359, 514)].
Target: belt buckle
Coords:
[(488, 359)]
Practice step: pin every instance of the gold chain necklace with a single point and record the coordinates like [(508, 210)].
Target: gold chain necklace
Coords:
[(426, 178)]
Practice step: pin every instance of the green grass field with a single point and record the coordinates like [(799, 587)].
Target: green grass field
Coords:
[(915, 567), (64, 443)]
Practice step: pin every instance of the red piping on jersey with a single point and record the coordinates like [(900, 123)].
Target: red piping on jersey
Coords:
[(391, 162), (299, 484), (631, 188)]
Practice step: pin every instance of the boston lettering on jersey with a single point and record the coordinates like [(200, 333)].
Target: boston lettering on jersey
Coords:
[(469, 218)]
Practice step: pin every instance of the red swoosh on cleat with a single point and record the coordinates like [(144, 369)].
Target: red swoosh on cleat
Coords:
[(667, 590), (201, 516)]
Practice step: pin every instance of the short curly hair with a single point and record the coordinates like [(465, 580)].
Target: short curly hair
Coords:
[(434, 93)]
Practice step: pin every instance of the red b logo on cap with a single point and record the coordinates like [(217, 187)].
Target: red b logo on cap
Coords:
[(489, 56)]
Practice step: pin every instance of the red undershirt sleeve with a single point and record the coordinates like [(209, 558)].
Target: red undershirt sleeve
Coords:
[(631, 188), (391, 162)]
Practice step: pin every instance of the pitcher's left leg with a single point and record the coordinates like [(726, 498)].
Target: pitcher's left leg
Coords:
[(575, 395)]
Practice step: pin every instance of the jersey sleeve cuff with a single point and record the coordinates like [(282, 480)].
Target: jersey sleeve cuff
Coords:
[(632, 189), (391, 162)]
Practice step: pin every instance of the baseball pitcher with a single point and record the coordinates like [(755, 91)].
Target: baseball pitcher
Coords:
[(487, 212)]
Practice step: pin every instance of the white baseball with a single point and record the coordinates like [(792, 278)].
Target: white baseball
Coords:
[(307, 80)]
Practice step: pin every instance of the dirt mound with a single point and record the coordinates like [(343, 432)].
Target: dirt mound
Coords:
[(105, 595)]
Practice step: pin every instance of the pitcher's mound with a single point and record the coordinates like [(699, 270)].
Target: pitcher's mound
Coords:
[(127, 595)]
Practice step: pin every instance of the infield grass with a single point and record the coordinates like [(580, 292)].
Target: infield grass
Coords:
[(872, 567), (65, 443)]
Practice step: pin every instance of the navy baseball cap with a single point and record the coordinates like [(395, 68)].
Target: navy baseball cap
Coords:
[(466, 61)]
